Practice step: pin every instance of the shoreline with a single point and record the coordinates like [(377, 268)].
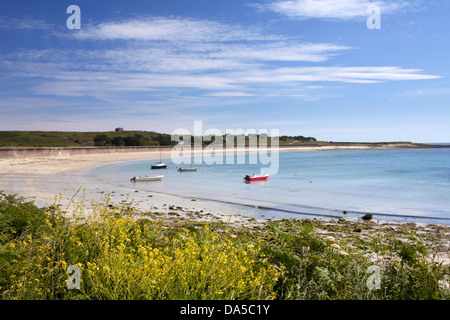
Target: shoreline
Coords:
[(40, 179), (63, 161), (27, 152)]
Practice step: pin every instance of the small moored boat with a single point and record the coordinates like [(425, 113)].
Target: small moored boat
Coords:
[(187, 169), (255, 177), (159, 166), (147, 178)]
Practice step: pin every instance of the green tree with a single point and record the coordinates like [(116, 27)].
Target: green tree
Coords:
[(118, 141), (102, 140), (164, 139)]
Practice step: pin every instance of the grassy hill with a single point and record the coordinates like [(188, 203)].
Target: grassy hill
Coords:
[(151, 138), (77, 139), (111, 138)]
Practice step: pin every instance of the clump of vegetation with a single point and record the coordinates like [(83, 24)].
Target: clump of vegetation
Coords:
[(293, 139), (137, 139), (122, 255), (338, 261)]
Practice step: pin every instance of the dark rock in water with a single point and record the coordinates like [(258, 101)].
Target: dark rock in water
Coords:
[(367, 216), (345, 212)]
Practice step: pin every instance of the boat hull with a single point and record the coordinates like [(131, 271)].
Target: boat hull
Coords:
[(164, 166), (187, 169)]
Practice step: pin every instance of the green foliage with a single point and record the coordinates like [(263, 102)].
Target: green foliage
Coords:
[(18, 218), (102, 140), (132, 138), (334, 265), (137, 139), (297, 138)]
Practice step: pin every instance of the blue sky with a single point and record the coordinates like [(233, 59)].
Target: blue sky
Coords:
[(304, 67)]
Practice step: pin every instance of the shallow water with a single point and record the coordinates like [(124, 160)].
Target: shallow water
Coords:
[(403, 185)]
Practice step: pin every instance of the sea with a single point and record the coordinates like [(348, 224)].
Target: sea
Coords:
[(405, 185)]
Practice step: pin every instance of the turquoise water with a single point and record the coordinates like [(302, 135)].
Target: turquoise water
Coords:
[(406, 185)]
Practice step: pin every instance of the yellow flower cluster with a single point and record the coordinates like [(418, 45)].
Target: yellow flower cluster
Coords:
[(126, 258), (190, 265)]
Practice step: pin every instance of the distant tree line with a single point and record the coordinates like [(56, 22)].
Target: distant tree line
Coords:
[(245, 139), (298, 138), (159, 139), (225, 139)]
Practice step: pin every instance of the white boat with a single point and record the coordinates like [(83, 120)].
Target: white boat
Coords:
[(147, 178)]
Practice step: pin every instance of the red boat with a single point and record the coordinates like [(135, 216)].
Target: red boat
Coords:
[(256, 177)]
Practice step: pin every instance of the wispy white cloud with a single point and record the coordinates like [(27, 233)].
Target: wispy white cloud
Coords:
[(335, 74), (259, 80), (229, 94), (160, 64), (426, 92), (281, 51), (24, 23), (332, 9), (171, 29)]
